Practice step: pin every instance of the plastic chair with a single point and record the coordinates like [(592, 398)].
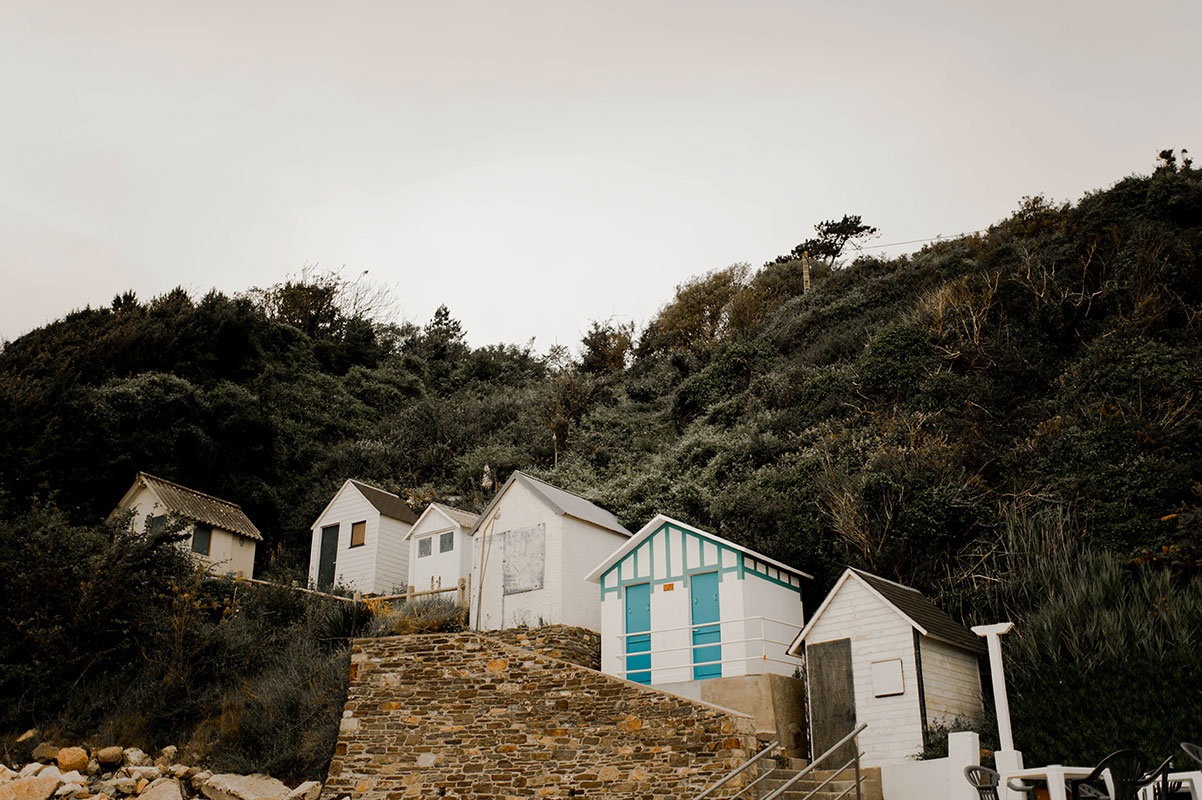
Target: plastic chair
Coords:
[(1164, 788), (1127, 776), (984, 780), (1193, 751)]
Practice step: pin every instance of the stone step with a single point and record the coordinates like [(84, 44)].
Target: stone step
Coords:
[(870, 786)]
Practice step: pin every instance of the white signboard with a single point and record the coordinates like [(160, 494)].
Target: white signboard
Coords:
[(887, 678), (525, 555)]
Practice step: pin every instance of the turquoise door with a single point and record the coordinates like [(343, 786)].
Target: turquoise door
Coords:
[(704, 588), (638, 619)]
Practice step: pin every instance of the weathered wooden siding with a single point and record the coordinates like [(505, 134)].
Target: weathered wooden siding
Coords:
[(952, 682)]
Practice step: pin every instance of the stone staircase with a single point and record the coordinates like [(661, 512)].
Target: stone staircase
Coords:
[(870, 786)]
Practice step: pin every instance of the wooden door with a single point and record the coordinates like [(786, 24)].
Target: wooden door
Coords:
[(328, 556), (832, 699), (638, 619), (704, 589)]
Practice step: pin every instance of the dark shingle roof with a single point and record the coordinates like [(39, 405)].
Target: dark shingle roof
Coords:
[(386, 503), (201, 507), (929, 616)]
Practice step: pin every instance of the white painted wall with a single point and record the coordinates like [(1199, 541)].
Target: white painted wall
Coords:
[(228, 552), (936, 779), (584, 546), (491, 608), (877, 633), (439, 570), (951, 682), (766, 599)]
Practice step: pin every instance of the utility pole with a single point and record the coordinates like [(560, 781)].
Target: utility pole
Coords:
[(805, 272)]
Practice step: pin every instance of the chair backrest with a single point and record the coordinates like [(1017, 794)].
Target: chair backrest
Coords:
[(1193, 751), (1126, 768), (984, 780)]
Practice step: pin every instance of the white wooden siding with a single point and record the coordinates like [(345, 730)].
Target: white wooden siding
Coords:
[(392, 555), (355, 567), (877, 633)]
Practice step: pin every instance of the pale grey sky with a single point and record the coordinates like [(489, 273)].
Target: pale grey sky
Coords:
[(537, 165)]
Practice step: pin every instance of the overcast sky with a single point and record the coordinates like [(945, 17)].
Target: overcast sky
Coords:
[(537, 165)]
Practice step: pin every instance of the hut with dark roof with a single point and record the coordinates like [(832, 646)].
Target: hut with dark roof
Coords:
[(359, 541), (882, 653)]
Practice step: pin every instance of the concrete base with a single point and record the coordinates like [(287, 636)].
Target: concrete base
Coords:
[(775, 702)]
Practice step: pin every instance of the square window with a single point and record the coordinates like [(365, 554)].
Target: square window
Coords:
[(424, 546), (358, 533), (446, 542), (202, 538), (887, 678), (158, 523)]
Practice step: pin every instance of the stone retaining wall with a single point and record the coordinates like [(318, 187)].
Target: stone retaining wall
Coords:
[(477, 718), (577, 645)]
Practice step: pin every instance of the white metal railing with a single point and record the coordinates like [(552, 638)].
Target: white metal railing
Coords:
[(762, 640)]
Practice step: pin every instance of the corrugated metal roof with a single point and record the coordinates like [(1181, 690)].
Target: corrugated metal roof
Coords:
[(562, 502), (915, 605), (464, 518), (573, 504), (201, 507), (386, 503)]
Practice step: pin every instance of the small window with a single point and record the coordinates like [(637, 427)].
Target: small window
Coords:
[(446, 542), (424, 546), (358, 533), (202, 538), (158, 523)]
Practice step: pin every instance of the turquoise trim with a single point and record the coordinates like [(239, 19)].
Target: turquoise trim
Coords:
[(676, 571)]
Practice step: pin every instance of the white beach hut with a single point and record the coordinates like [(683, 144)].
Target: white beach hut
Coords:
[(882, 653)]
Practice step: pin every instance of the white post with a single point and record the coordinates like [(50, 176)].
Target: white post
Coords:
[(963, 750), (1007, 758)]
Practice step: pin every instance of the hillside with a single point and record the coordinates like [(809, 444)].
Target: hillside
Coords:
[(986, 420)]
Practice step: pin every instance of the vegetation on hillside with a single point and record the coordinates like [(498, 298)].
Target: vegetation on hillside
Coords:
[(1008, 421)]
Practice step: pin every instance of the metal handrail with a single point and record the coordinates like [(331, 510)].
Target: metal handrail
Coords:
[(739, 770), (704, 644), (709, 624), (855, 760)]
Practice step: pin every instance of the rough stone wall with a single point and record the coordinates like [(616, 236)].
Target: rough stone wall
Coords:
[(477, 718), (577, 645)]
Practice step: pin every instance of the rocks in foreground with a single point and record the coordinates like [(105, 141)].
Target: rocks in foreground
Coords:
[(113, 773)]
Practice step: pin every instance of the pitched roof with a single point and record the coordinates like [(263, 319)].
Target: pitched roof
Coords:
[(455, 516), (465, 519), (911, 604), (201, 507), (654, 525), (387, 503), (915, 605), (561, 501)]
